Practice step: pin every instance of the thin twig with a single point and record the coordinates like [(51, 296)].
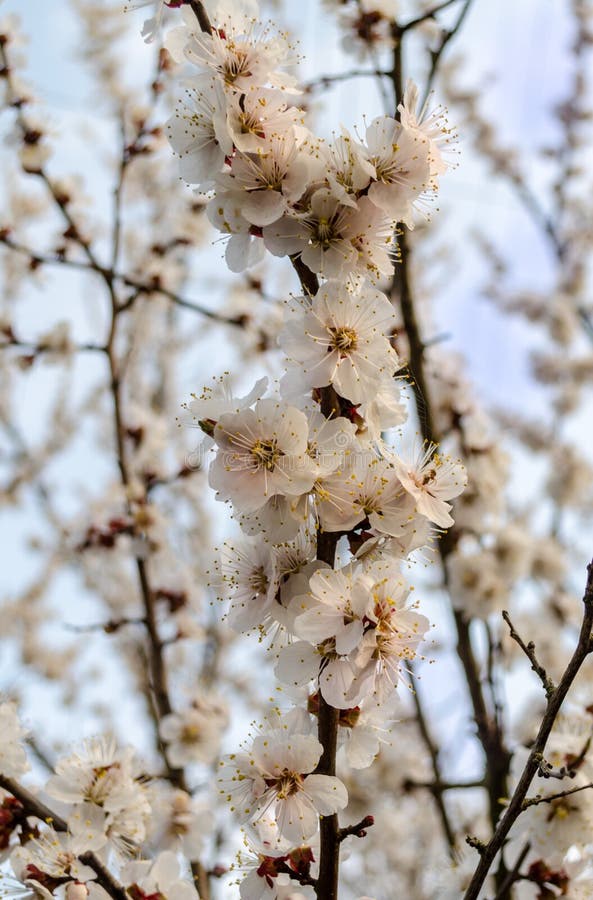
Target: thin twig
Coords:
[(437, 54), (550, 798), (413, 23), (358, 830), (324, 81), (513, 874), (529, 651), (109, 275), (433, 752), (554, 703)]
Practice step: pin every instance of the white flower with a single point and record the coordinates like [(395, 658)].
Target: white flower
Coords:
[(109, 801), (54, 854), (13, 759), (383, 410), (179, 821), (330, 441), (244, 248), (401, 157), (258, 117), (340, 339), (247, 578), (198, 132), (266, 182), (431, 480), (320, 236), (334, 608), (350, 170), (279, 519), (261, 453), (151, 26), (160, 878), (205, 410), (330, 617), (431, 125), (240, 50), (362, 731), (274, 778), (364, 488), (194, 734), (395, 631)]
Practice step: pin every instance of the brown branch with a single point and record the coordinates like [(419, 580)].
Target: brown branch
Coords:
[(433, 752), (158, 672), (114, 277), (39, 349), (535, 801), (35, 807), (553, 705), (437, 54), (324, 81), (198, 9), (497, 757), (439, 787), (359, 830), (513, 874), (431, 14), (326, 887), (109, 627), (529, 651)]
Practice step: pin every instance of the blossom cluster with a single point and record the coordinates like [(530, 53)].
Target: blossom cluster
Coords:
[(307, 463), (311, 458), (277, 185), (107, 809)]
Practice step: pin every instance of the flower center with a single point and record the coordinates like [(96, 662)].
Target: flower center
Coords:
[(323, 232), (286, 785), (190, 734), (266, 454), (258, 581), (343, 338)]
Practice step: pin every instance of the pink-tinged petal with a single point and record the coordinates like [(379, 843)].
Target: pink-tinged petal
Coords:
[(263, 207), (362, 747), (335, 681), (349, 637), (297, 818), (328, 794), (297, 664), (436, 511)]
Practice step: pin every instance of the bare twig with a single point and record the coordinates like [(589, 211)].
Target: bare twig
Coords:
[(358, 830), (553, 705), (114, 277), (433, 752), (437, 54), (550, 798), (513, 874), (431, 14), (529, 651), (324, 81)]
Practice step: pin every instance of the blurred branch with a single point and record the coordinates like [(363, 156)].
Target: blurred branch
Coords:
[(433, 752), (437, 54), (413, 23), (550, 798), (324, 81), (512, 874), (111, 276)]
